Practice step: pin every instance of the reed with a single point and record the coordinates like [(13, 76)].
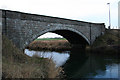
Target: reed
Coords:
[(49, 45), (16, 64)]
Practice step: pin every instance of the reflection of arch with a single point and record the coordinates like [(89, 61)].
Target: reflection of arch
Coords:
[(64, 31)]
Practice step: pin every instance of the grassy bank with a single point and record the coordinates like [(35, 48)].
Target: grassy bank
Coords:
[(108, 43), (51, 45), (50, 39), (15, 64)]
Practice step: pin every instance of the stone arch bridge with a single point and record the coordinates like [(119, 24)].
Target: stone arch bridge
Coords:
[(22, 28)]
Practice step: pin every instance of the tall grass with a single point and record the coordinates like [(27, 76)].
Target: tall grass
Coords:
[(50, 45), (109, 43), (18, 65), (109, 38)]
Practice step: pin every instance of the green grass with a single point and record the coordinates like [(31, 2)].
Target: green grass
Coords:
[(51, 39)]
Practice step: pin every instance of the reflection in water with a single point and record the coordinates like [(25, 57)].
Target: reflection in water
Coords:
[(111, 72), (58, 58), (82, 65), (75, 63), (79, 64)]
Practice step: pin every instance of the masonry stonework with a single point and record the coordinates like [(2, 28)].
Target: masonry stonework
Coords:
[(23, 28)]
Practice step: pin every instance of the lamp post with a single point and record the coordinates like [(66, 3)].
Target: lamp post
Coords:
[(109, 17)]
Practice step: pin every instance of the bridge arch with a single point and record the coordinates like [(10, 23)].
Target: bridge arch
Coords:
[(72, 35)]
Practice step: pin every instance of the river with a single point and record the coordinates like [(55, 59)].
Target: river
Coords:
[(79, 64)]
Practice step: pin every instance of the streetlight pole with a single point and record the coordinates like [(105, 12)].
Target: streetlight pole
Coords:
[(109, 17)]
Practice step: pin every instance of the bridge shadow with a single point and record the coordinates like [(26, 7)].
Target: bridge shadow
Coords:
[(75, 62), (73, 37), (80, 65)]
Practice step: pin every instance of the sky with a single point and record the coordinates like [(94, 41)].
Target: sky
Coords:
[(96, 11)]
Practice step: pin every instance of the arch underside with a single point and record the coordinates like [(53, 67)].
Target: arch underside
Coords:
[(73, 36)]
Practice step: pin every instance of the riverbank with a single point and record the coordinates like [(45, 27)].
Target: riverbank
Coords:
[(15, 64), (50, 45), (109, 43)]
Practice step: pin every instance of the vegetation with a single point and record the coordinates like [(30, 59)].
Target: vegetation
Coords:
[(48, 44), (111, 37), (50, 39), (15, 64), (108, 43)]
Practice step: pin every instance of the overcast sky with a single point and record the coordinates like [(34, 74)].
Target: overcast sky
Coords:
[(84, 10)]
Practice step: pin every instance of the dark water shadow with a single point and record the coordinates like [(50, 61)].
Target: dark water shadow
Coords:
[(81, 65)]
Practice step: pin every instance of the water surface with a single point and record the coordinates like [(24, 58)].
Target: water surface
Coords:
[(79, 64), (58, 58)]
